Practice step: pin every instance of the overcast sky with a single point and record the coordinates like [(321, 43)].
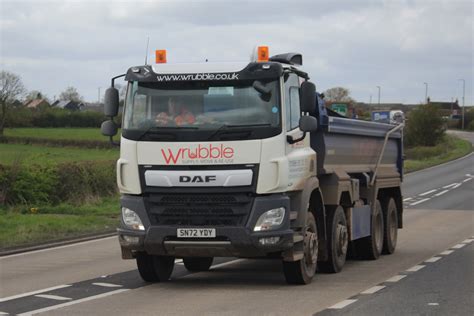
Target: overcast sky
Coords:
[(357, 44)]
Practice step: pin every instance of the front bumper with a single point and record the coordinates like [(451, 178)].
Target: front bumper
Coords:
[(239, 241)]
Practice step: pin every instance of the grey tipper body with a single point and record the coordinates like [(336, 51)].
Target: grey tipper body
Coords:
[(244, 160)]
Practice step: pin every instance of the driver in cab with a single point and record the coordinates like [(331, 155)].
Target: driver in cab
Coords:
[(178, 113)]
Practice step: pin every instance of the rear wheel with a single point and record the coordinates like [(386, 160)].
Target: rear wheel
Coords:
[(370, 247), (198, 263), (390, 216), (302, 271), (338, 241), (154, 268)]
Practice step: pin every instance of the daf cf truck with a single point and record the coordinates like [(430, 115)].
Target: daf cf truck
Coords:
[(243, 160)]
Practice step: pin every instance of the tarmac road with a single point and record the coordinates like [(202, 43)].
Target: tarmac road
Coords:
[(90, 278)]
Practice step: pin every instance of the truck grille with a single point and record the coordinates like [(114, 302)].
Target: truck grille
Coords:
[(199, 209)]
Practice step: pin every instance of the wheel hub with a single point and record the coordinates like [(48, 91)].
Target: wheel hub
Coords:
[(342, 239), (310, 248)]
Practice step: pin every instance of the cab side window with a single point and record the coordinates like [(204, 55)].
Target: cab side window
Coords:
[(292, 101)]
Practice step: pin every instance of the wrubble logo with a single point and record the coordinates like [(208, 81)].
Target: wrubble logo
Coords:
[(200, 152), (201, 76)]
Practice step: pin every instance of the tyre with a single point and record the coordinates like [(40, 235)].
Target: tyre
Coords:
[(390, 218), (198, 264), (370, 247), (154, 268), (302, 271), (338, 241)]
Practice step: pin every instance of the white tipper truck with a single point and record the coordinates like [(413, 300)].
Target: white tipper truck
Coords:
[(243, 160)]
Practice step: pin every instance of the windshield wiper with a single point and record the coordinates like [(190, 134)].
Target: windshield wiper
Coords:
[(224, 129), (164, 130)]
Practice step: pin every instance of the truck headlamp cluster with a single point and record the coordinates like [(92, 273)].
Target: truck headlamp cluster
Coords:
[(270, 219), (131, 219)]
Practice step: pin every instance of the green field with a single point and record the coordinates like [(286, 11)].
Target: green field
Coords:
[(43, 155), (57, 133)]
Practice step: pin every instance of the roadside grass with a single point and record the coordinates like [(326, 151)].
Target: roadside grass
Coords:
[(57, 133), (25, 225), (41, 155), (450, 148)]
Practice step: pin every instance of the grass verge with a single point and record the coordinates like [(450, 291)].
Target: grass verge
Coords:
[(46, 155), (449, 149), (25, 226)]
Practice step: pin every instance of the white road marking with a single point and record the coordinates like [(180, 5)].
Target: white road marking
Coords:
[(450, 185), (90, 298), (468, 179), (457, 185), (396, 278), (441, 193), (407, 199), (468, 175), (9, 298), (342, 304), (428, 192), (416, 268), (178, 261), (468, 241), (55, 248), (433, 304), (373, 289), (106, 284), (446, 252), (458, 246), (226, 263), (419, 202), (54, 297), (3, 313), (433, 259)]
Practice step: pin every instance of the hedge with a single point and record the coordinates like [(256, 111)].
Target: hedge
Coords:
[(54, 117), (50, 142), (65, 182)]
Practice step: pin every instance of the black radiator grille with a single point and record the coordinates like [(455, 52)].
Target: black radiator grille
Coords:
[(199, 209)]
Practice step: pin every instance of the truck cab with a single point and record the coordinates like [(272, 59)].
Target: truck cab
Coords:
[(216, 161)]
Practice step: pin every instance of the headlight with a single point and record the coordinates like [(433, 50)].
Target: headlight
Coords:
[(270, 219), (131, 219)]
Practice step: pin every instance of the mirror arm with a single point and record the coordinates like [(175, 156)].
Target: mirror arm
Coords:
[(291, 141), (116, 77)]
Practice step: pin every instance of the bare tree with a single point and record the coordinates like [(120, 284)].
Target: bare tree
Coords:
[(70, 94), (11, 88), (35, 95), (338, 94)]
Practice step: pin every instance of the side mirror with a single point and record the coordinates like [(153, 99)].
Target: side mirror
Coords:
[(308, 97), (111, 102), (308, 123), (109, 128)]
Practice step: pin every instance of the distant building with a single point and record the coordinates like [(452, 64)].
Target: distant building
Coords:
[(449, 109), (36, 103), (68, 105)]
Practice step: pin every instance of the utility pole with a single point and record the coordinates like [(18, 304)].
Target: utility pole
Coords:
[(370, 100), (426, 92), (378, 87), (463, 96)]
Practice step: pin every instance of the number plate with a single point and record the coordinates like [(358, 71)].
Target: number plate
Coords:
[(196, 232)]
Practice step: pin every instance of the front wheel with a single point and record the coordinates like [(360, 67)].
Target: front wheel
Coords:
[(198, 264), (154, 268), (302, 271)]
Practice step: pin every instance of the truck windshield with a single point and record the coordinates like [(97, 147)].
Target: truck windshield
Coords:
[(199, 110)]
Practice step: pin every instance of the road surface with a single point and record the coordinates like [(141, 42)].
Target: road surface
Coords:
[(90, 278)]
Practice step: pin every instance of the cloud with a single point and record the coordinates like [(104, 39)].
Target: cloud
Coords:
[(356, 44)]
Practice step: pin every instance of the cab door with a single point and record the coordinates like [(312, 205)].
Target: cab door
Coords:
[(301, 158)]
